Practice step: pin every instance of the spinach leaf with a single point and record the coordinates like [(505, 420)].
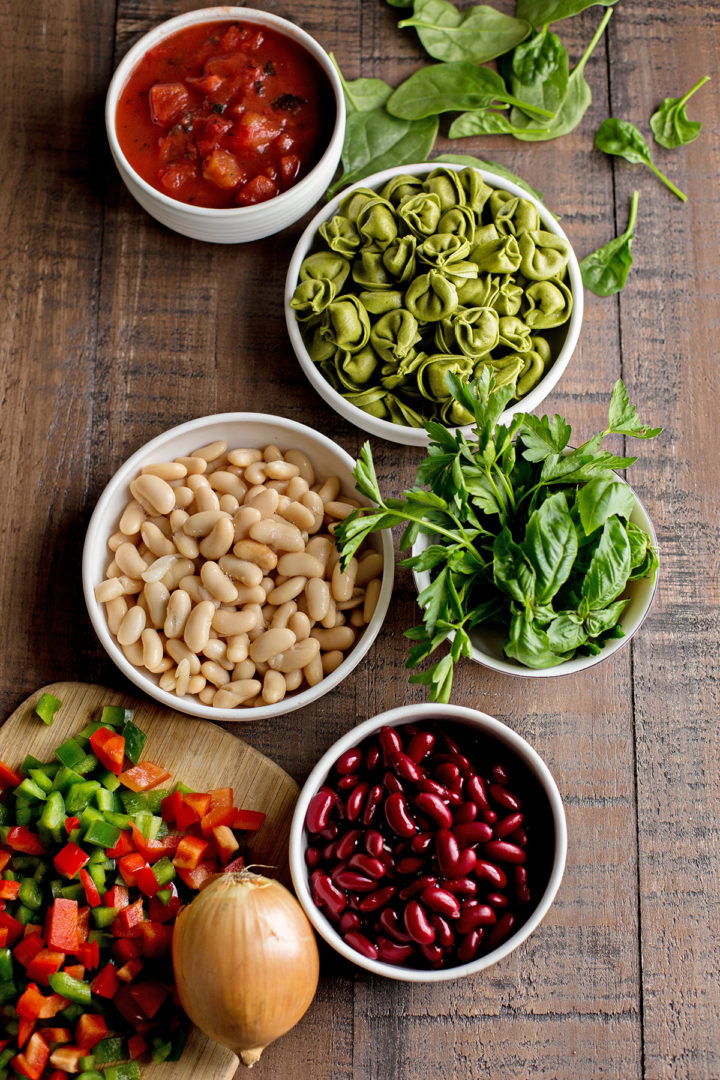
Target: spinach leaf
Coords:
[(490, 166), (452, 87), (537, 71), (623, 139), (400, 3), (485, 122), (604, 272), (478, 33), (670, 124), (541, 12), (574, 105)]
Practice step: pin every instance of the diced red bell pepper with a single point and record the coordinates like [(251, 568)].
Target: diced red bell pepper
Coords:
[(20, 838), (186, 816), (3, 936), (109, 748), (69, 859), (136, 1047), (215, 817), (170, 806), (221, 796), (9, 778), (5, 858), (130, 866), (117, 897), (32, 1061), (226, 842), (155, 849), (127, 922), (190, 852), (90, 1029), (144, 776), (25, 1030), (163, 913), (194, 878), (27, 949), (75, 971), (44, 963), (156, 939), (56, 1035), (88, 954), (91, 890), (249, 820), (34, 1006), (124, 949), (62, 925), (147, 883), (71, 823), (67, 1058), (106, 983), (83, 923), (199, 800), (149, 996), (9, 890), (123, 846), (234, 866), (129, 970), (13, 928), (128, 1007), (168, 102)]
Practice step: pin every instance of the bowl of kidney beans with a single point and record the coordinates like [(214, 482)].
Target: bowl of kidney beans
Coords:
[(428, 843)]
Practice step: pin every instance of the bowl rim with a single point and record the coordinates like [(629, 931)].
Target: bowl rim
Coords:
[(400, 716), (97, 533), (164, 29), (567, 667), (385, 428)]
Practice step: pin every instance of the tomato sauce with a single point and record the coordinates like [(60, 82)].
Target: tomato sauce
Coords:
[(225, 114)]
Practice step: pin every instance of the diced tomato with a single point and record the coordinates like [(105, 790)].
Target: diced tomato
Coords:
[(44, 963), (211, 131), (206, 84), (105, 983), (109, 748), (176, 177), (32, 1061), (168, 103), (90, 1029), (289, 168), (130, 866), (225, 842), (190, 852), (20, 838), (223, 169), (257, 190), (27, 949), (194, 878), (9, 778), (62, 925), (254, 131), (144, 776), (177, 147), (248, 820)]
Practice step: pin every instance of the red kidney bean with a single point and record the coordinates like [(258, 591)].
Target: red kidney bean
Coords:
[(464, 813), (501, 930), (461, 886), (433, 953), (447, 847), (390, 743), (502, 797), (504, 851), (474, 789), (443, 932), (361, 944), (489, 816), (349, 761), (467, 950), (488, 871), (330, 831), (327, 894), (520, 875), (409, 865), (374, 843), (522, 894), (499, 774), (464, 865), (353, 881), (347, 844), (313, 857), (476, 832), (519, 837), (421, 842), (507, 825), (397, 815), (356, 801), (374, 798), (366, 864), (417, 886), (393, 952), (392, 783), (441, 901), (435, 808), (318, 811), (372, 756), (522, 890), (329, 852), (391, 923), (420, 745), (349, 920), (418, 924), (447, 772), (475, 914), (406, 768), (347, 783), (497, 900), (374, 901)]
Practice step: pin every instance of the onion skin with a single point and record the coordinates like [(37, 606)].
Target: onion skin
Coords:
[(246, 962)]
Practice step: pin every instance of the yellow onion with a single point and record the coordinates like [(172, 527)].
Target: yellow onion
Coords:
[(246, 962)]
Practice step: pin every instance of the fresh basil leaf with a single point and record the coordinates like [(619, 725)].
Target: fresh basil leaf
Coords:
[(477, 33), (550, 546), (530, 645), (599, 499), (512, 572), (623, 417), (623, 139), (541, 12), (609, 567), (599, 622), (489, 166), (670, 124), (604, 272), (566, 632), (538, 70), (450, 87)]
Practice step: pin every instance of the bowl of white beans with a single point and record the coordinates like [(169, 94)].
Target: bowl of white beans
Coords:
[(211, 575)]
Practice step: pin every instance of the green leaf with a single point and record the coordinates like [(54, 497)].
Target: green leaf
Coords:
[(538, 70), (375, 140), (599, 499), (541, 12), (433, 601), (609, 567), (482, 122), (366, 480), (530, 645), (566, 632), (623, 417), (450, 87), (363, 95), (512, 572), (670, 124), (439, 678), (543, 438), (550, 546), (604, 272), (599, 622), (623, 139), (489, 166), (428, 559), (477, 33)]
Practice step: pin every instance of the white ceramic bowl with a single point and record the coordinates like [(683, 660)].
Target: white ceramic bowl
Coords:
[(549, 819), (487, 642), (385, 429), (237, 429), (243, 223)]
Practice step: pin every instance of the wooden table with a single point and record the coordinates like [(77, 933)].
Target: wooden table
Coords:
[(114, 329)]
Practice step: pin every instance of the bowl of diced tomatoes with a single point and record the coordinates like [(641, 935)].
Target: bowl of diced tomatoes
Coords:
[(226, 124)]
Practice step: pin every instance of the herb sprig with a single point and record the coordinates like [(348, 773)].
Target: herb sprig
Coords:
[(521, 531)]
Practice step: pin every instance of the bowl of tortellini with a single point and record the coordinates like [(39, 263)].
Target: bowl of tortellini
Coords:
[(426, 269)]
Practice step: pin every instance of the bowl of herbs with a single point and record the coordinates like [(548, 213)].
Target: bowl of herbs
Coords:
[(531, 557)]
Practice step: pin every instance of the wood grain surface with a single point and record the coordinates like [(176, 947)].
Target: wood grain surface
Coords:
[(113, 329)]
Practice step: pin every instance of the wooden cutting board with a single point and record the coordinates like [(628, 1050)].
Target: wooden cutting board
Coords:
[(199, 754)]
